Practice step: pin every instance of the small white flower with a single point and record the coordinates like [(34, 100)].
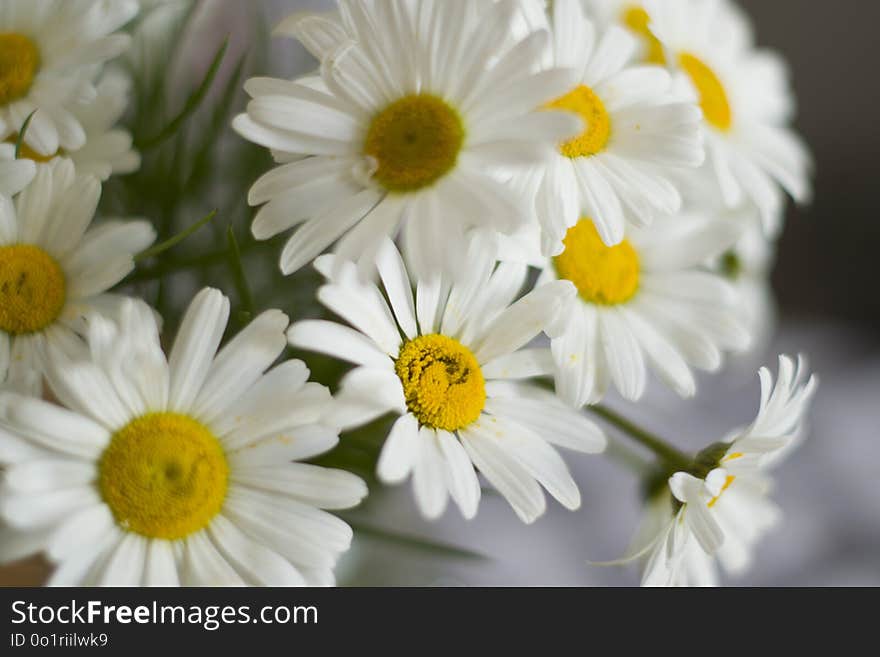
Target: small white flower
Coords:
[(450, 362), (648, 303), (55, 267), (108, 148), (618, 170), (419, 109), (49, 51), (177, 471), (724, 512), (746, 100)]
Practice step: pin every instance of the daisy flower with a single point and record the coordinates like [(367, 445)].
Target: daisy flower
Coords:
[(48, 53), (419, 109), (55, 268), (108, 149), (746, 100), (647, 303), (449, 362), (15, 175), (721, 509), (632, 15), (178, 471), (618, 169)]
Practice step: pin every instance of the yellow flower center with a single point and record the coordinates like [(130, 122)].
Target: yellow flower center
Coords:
[(442, 382), (28, 153), (730, 479), (603, 275), (19, 62), (164, 476), (32, 289), (637, 20), (713, 96), (415, 141), (583, 101)]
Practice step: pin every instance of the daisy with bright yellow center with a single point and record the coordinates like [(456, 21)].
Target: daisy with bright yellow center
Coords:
[(635, 135), (418, 143), (55, 267), (646, 304), (721, 512), (49, 50), (753, 155), (177, 471), (448, 358)]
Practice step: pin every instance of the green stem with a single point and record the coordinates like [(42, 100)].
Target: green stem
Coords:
[(241, 283), (177, 239), (669, 454), (21, 133)]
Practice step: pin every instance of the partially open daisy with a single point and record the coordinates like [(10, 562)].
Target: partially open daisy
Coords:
[(636, 132), (177, 471), (392, 140), (108, 148), (721, 508), (48, 53), (449, 361), (746, 101), (55, 268), (647, 303)]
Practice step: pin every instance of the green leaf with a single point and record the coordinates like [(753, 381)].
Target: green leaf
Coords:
[(192, 103), (21, 133), (238, 275), (152, 252)]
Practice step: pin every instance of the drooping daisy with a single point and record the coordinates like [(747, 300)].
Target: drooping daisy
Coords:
[(647, 303), (48, 53), (54, 267), (177, 471), (449, 361), (418, 108), (746, 100), (108, 148), (721, 509), (15, 175), (618, 169)]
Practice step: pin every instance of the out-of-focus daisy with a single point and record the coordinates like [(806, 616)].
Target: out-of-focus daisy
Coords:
[(746, 100), (49, 50), (55, 268), (159, 23), (722, 509), (386, 141), (647, 303), (15, 175), (449, 361), (632, 15), (178, 471), (618, 169), (108, 149)]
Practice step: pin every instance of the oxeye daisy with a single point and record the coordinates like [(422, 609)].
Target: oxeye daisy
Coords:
[(647, 303), (449, 361), (636, 133), (15, 175), (48, 53), (632, 15), (55, 268), (721, 509), (108, 148), (421, 108), (746, 100), (178, 471)]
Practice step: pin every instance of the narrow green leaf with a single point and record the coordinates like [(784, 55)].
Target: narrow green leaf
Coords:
[(239, 277), (177, 239), (21, 133), (192, 103)]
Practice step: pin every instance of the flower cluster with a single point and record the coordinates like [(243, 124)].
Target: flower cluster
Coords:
[(528, 207)]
